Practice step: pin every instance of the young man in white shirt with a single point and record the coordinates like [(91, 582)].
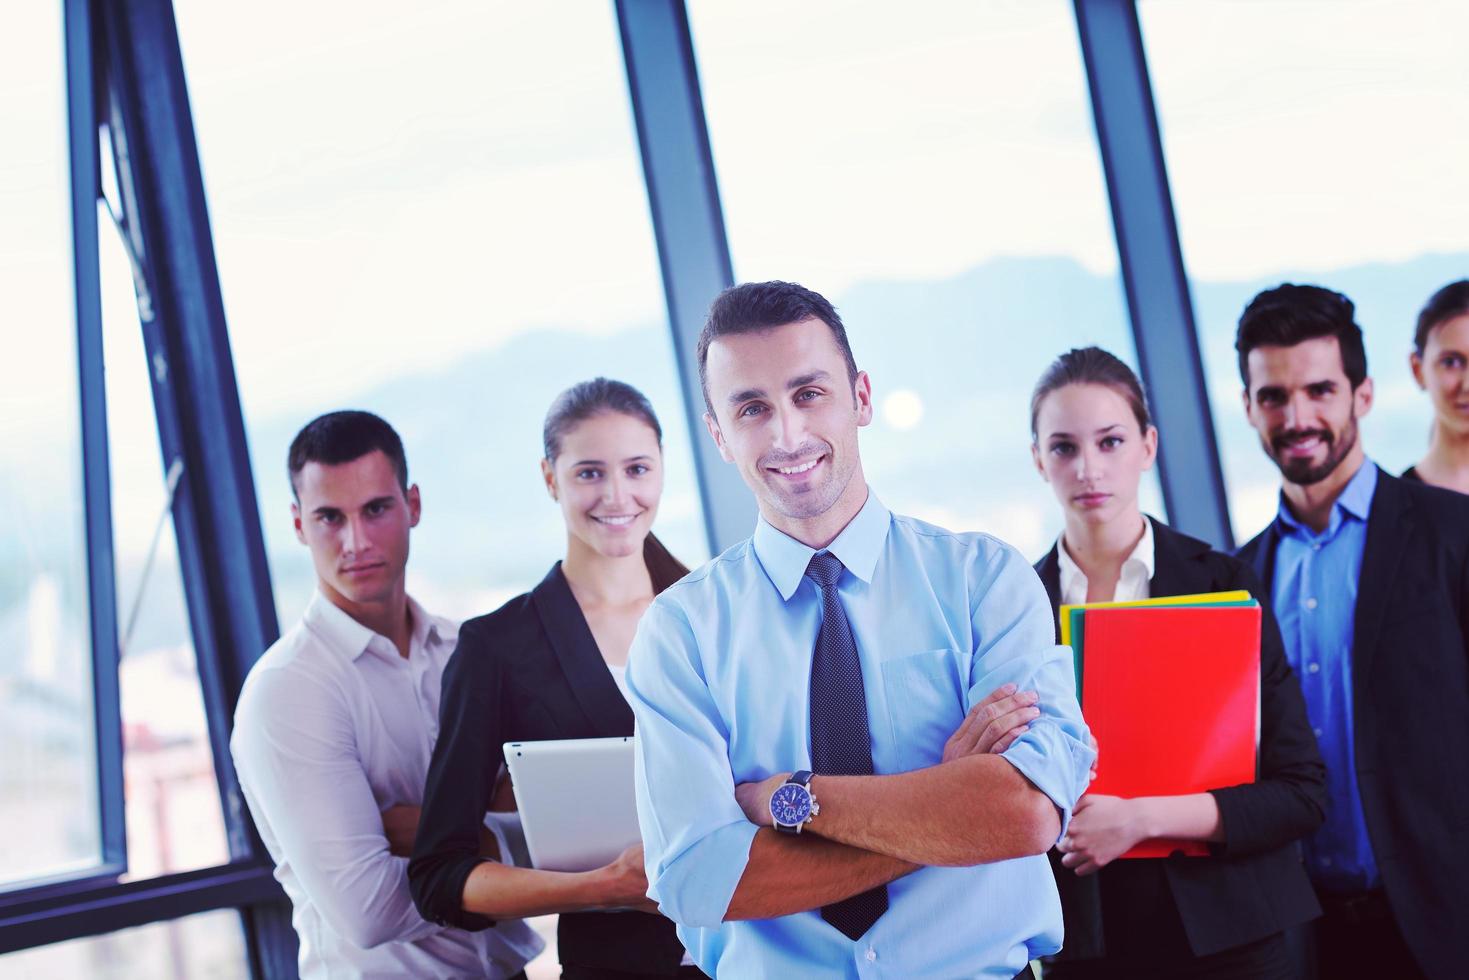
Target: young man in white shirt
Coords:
[(336, 724)]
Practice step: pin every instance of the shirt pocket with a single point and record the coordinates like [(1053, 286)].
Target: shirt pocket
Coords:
[(925, 703)]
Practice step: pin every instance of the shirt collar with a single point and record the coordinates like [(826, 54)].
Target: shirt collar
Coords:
[(351, 639), (1142, 557), (1354, 499), (858, 547)]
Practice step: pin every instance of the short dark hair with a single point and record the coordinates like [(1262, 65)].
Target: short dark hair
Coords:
[(1446, 304), (1289, 315), (583, 400), (341, 437), (752, 307), (1094, 366)]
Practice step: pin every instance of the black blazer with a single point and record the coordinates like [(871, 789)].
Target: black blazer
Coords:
[(1410, 706), (1254, 884), (528, 671)]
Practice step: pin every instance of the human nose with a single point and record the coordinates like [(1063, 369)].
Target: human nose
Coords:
[(354, 535), (1088, 464), (1297, 411), (614, 489), (791, 428)]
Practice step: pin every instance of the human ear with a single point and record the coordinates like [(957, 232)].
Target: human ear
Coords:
[(718, 436)]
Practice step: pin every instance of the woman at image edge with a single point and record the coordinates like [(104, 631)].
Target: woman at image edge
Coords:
[(1216, 916), (1440, 363), (549, 665)]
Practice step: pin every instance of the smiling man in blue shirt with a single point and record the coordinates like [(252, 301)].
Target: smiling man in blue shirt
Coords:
[(850, 642)]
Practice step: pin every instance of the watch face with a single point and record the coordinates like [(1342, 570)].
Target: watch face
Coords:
[(790, 805)]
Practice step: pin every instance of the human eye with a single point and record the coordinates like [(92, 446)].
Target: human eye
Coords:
[(638, 469), (750, 410), (329, 517), (588, 473), (808, 394), (1110, 442), (1453, 361), (1062, 448)]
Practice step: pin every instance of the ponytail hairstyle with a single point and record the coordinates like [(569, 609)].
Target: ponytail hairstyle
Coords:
[(601, 396), (1448, 303), (1091, 366)]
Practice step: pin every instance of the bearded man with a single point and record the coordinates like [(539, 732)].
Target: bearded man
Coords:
[(1369, 576)]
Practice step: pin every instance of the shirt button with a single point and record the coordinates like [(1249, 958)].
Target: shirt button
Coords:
[(871, 954), (1310, 603), (1316, 732), (1316, 546), (1313, 668)]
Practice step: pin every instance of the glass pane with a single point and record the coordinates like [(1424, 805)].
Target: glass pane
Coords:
[(209, 946), (933, 171), (434, 212), (175, 821), (48, 781), (1320, 143)]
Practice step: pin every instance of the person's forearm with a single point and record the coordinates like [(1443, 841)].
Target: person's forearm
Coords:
[(502, 891), (1192, 817), (968, 811), (788, 874)]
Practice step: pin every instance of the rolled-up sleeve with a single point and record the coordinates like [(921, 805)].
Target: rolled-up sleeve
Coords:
[(296, 753), (1015, 642), (696, 840)]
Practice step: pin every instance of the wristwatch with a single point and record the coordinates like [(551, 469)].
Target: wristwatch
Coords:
[(792, 805)]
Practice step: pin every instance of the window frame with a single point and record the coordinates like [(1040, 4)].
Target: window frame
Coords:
[(125, 70)]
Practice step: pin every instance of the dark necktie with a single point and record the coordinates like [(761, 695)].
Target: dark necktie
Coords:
[(841, 743)]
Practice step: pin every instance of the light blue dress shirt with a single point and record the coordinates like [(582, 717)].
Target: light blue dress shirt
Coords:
[(1315, 594), (719, 678)]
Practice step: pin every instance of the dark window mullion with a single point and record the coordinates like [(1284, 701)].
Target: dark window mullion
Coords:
[(101, 574), (1152, 267)]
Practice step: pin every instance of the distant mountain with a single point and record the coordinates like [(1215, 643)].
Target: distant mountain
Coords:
[(967, 349)]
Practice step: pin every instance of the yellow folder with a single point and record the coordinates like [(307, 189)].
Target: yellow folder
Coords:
[(1202, 599)]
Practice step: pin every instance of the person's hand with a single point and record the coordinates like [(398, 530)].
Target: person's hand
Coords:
[(1102, 829), (754, 798), (400, 826), (994, 723), (626, 883)]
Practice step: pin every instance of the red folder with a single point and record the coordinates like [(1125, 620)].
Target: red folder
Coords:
[(1172, 696)]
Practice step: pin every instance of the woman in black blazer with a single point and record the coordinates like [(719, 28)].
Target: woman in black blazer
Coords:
[(1218, 916), (548, 665)]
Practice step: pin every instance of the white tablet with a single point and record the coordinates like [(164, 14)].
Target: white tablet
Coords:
[(575, 798)]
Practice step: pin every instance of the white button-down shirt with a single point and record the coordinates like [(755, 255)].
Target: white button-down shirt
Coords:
[(333, 728), (1134, 583)]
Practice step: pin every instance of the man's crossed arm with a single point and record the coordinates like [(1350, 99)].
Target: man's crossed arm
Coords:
[(875, 829)]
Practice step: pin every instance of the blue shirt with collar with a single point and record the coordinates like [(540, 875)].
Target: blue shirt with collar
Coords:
[(1315, 594), (719, 677)]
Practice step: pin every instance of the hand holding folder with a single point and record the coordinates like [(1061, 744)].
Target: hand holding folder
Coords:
[(1171, 691)]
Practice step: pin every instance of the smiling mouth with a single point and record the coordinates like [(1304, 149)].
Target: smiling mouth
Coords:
[(797, 470), (617, 520), (1301, 445)]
